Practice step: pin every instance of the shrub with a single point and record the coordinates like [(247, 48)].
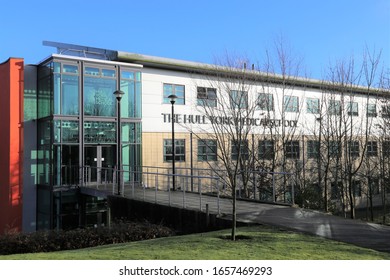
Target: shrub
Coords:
[(48, 241)]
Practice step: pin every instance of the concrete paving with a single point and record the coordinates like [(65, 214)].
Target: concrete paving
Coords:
[(356, 232)]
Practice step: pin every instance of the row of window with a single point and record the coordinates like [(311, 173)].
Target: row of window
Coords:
[(207, 149), (373, 184), (265, 101), (292, 149), (70, 89)]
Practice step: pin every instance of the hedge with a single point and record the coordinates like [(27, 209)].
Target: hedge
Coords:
[(49, 241)]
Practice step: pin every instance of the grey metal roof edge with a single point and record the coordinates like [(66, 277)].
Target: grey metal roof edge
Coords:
[(196, 67), (161, 62)]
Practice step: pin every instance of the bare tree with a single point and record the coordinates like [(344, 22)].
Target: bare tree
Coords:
[(384, 135), (350, 130), (282, 107), (231, 96), (224, 96)]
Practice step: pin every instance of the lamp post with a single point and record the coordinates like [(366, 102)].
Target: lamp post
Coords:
[(173, 97), (118, 94)]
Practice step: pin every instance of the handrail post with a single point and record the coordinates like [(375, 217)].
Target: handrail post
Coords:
[(218, 205), (184, 192), (155, 192), (200, 195), (132, 181), (273, 188), (169, 190), (122, 182)]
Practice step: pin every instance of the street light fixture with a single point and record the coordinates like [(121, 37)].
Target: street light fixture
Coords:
[(118, 94), (172, 98)]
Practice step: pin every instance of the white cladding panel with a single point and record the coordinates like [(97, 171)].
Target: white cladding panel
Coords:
[(156, 115)]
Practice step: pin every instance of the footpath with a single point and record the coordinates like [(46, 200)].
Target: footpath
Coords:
[(360, 233)]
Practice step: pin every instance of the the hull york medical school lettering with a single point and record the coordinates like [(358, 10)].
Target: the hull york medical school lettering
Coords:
[(199, 119)]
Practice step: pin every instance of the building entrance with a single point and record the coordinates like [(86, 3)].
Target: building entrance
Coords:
[(99, 162)]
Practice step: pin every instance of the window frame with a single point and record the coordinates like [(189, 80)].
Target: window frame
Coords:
[(265, 101), (370, 112), (292, 149), (372, 148), (209, 150), (266, 149), (291, 103), (353, 109), (373, 185), (334, 107), (312, 105), (313, 149), (208, 99), (354, 148), (244, 150), (385, 112), (334, 148), (386, 148), (243, 97), (180, 145), (180, 100), (357, 188)]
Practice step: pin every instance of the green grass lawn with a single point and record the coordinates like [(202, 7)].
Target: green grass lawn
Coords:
[(258, 242)]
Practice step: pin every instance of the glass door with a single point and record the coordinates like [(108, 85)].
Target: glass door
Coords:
[(99, 163), (108, 162)]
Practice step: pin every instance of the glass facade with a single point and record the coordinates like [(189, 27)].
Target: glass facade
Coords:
[(77, 128)]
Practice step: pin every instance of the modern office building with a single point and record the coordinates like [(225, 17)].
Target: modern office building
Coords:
[(59, 126)]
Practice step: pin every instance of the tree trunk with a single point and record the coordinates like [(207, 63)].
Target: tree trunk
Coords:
[(234, 215)]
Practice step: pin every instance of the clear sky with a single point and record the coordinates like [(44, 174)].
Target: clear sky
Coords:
[(320, 32)]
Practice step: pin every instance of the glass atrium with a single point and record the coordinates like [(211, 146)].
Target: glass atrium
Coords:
[(77, 131)]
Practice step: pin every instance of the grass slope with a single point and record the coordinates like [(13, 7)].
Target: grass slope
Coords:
[(257, 243)]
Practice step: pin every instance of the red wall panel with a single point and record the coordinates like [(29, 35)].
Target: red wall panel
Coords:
[(11, 144)]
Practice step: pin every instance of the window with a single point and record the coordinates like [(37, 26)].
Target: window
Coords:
[(372, 148), (313, 149), (357, 188), (291, 104), (238, 99), (130, 84), (207, 96), (373, 185), (386, 149), (265, 102), (240, 148), (371, 110), (266, 149), (386, 111), (313, 105), (386, 185), (99, 132), (99, 84), (179, 150), (291, 149), (178, 90), (354, 148), (65, 89), (353, 109), (334, 149), (207, 150), (334, 107), (335, 189)]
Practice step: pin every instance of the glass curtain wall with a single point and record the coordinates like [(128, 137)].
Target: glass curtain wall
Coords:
[(76, 111)]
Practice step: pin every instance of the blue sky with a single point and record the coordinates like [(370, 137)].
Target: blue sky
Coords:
[(320, 32)]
